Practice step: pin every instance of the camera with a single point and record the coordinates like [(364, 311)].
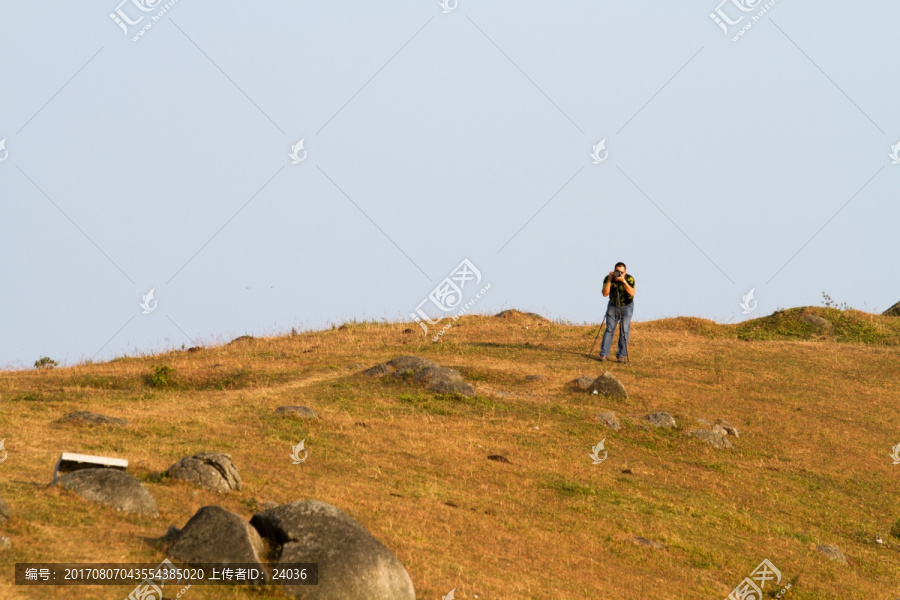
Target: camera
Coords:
[(616, 274)]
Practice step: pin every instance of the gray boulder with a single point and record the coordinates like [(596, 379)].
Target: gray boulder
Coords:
[(5, 512), (610, 420), (215, 535), (352, 563), (712, 437), (89, 418), (535, 377), (661, 419), (608, 385), (212, 470), (728, 428), (817, 321), (441, 380), (111, 487), (301, 412), (581, 383), (833, 553)]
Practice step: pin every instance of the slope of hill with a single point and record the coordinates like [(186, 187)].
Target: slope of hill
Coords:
[(817, 406)]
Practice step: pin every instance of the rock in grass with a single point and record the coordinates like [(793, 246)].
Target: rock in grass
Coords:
[(608, 385), (440, 380), (111, 487), (727, 427), (661, 419), (498, 458), (610, 420), (5, 512), (833, 553), (581, 383), (535, 378), (712, 437), (642, 541), (212, 470), (300, 412), (5, 543), (352, 562), (817, 321), (89, 418), (215, 535)]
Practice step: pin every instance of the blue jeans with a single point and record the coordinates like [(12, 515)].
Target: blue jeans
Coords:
[(624, 327)]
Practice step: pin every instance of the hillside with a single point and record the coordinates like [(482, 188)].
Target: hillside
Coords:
[(817, 406)]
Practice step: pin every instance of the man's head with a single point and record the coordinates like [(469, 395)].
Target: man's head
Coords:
[(620, 266)]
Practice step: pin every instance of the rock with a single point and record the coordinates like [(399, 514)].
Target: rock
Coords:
[(727, 427), (5, 543), (194, 349), (111, 487), (441, 380), (610, 420), (893, 311), (642, 541), (712, 437), (661, 419), (215, 535), (301, 412), (498, 458), (514, 314), (581, 383), (211, 470), (89, 418), (5, 512), (354, 366), (535, 378), (833, 553), (704, 422), (608, 385), (352, 563), (817, 321), (243, 338), (408, 331)]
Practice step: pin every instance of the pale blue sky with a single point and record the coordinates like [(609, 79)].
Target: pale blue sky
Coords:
[(432, 138)]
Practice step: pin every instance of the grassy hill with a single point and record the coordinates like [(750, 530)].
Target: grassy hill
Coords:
[(817, 407)]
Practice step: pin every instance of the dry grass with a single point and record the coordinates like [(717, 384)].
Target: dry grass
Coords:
[(817, 415)]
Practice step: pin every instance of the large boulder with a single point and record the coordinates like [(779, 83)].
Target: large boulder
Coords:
[(89, 418), (893, 311), (608, 385), (212, 470), (512, 313), (441, 380), (215, 535), (352, 563), (111, 487)]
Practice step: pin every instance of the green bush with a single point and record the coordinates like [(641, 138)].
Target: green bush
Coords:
[(45, 362), (163, 376)]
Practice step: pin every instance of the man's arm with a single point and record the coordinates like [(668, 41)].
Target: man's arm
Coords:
[(628, 288), (607, 283)]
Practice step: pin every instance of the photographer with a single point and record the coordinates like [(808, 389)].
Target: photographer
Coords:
[(619, 286)]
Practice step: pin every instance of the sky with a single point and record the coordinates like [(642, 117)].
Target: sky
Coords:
[(540, 142)]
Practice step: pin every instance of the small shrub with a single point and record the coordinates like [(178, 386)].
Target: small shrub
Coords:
[(45, 362), (895, 530), (163, 376), (828, 302)]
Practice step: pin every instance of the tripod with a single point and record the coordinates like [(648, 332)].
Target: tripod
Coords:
[(618, 320)]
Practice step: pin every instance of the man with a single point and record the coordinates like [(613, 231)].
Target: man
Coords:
[(619, 286)]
